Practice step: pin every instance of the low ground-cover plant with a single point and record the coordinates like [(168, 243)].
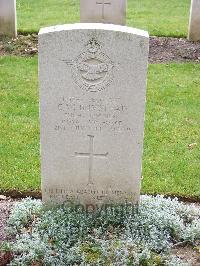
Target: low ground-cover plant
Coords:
[(112, 235)]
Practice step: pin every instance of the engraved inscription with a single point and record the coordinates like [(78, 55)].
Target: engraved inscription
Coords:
[(75, 194), (91, 156), (92, 70), (94, 114), (103, 3)]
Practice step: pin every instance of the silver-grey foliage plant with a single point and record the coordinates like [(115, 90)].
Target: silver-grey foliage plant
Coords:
[(114, 235)]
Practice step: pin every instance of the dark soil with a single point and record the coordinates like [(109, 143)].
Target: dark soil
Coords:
[(188, 254), (162, 49), (5, 207), (23, 45), (5, 258)]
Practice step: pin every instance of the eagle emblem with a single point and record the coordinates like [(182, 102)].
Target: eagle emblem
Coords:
[(92, 70)]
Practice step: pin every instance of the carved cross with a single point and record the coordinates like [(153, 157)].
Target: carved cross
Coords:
[(90, 155), (103, 3)]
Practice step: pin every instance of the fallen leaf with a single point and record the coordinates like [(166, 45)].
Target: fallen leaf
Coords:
[(192, 146)]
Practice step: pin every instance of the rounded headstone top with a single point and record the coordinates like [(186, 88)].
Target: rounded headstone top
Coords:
[(93, 26)]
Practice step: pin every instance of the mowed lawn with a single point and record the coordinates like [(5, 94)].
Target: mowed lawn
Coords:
[(159, 17), (171, 162)]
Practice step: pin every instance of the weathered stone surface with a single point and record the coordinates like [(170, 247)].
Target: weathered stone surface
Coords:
[(194, 24), (8, 24), (92, 103), (103, 11)]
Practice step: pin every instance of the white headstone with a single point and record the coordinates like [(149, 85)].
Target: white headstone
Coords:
[(8, 24), (92, 103), (103, 11), (194, 25)]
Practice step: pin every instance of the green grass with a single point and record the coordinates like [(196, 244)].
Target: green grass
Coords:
[(172, 123), (19, 127), (159, 17)]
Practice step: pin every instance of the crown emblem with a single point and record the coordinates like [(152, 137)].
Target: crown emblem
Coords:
[(93, 46)]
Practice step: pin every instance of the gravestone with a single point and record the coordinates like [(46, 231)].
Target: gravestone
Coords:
[(103, 11), (92, 103), (8, 24), (194, 24)]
